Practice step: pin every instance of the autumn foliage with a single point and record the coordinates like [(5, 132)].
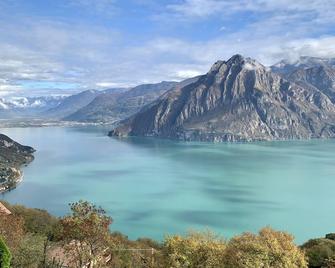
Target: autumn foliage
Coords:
[(267, 249), (83, 238)]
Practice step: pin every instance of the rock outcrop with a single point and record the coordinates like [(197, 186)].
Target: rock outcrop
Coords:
[(237, 100)]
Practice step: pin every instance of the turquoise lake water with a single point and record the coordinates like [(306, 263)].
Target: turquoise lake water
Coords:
[(153, 187)]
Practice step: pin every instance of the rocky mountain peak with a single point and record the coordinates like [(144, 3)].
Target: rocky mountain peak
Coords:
[(237, 100), (236, 63), (238, 77), (236, 59)]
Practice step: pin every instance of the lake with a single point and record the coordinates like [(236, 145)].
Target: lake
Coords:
[(152, 187)]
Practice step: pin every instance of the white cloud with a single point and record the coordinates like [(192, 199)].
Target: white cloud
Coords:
[(8, 89), (112, 85), (315, 47), (105, 65), (204, 8), (91, 55), (183, 74), (55, 51)]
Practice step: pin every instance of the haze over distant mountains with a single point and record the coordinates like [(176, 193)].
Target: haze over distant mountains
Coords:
[(242, 100), (90, 106), (113, 106), (49, 107), (13, 107)]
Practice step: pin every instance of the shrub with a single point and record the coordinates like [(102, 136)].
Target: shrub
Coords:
[(36, 221), (268, 249), (30, 252), (194, 250), (318, 251)]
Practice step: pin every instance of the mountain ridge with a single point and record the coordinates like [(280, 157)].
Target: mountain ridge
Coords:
[(114, 107)]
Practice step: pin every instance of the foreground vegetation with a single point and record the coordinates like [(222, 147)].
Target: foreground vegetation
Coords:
[(33, 238)]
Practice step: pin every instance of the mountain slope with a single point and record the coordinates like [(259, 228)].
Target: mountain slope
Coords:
[(72, 103), (115, 106), (237, 100), (310, 72), (321, 77)]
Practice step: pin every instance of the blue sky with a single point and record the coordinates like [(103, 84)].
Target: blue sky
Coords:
[(63, 46)]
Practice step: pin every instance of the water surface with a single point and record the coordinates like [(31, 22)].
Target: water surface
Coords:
[(152, 187)]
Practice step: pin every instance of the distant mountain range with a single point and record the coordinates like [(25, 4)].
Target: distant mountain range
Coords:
[(104, 106), (286, 67), (34, 102), (49, 107), (114, 106), (71, 104), (12, 107), (76, 102), (242, 100)]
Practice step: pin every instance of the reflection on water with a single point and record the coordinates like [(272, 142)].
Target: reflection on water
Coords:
[(152, 187)]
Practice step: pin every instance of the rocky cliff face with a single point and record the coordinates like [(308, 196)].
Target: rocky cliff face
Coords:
[(321, 77), (310, 72), (12, 156), (237, 100)]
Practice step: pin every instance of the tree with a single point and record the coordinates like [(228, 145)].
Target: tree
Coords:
[(196, 249), (5, 255), (141, 253), (86, 233), (268, 249)]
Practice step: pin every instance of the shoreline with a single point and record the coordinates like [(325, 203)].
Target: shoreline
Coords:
[(12, 182), (22, 123), (14, 157)]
